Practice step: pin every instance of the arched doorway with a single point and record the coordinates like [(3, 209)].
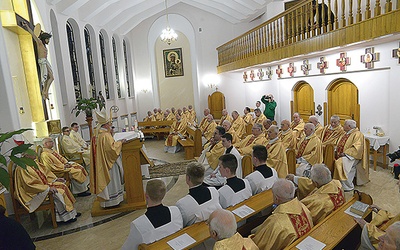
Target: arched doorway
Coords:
[(343, 100), (303, 100)]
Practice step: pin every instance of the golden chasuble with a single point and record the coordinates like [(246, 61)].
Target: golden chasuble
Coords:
[(287, 138), (324, 200), (236, 242), (312, 152), (214, 153), (330, 136), (248, 118), (277, 158), (288, 222), (107, 150), (239, 126)]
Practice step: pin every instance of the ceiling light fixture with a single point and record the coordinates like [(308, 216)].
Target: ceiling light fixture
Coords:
[(168, 35)]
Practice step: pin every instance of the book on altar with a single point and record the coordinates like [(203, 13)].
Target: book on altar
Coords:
[(130, 135), (359, 208)]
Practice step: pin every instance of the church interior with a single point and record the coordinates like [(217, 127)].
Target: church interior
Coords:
[(343, 65)]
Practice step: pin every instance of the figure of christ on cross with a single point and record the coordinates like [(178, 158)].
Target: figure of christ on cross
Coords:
[(46, 73)]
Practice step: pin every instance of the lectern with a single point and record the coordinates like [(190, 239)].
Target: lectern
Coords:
[(132, 157)]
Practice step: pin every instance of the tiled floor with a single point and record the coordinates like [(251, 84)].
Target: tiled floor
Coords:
[(112, 231)]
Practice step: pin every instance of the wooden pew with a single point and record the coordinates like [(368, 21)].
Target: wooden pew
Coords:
[(337, 231), (191, 144), (247, 165), (249, 127), (155, 127), (200, 232), (291, 160)]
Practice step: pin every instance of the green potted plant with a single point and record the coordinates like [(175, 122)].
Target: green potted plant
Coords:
[(14, 154), (87, 105)]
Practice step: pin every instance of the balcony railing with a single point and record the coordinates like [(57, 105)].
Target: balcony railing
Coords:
[(304, 22)]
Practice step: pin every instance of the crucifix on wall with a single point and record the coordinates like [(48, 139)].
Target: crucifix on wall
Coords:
[(343, 61), (291, 69), (322, 65), (369, 58), (279, 71), (396, 53), (305, 67)]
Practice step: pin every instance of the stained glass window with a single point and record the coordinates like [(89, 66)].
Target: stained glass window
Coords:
[(74, 62), (128, 84), (104, 64), (116, 68), (90, 63)]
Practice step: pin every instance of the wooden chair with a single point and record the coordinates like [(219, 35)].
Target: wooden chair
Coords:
[(363, 197), (247, 165), (19, 209), (329, 157), (60, 174), (291, 160), (249, 127), (75, 157)]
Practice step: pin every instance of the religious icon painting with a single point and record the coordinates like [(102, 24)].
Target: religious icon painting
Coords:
[(369, 58), (343, 61), (305, 67), (173, 62), (260, 74), (268, 72), (322, 65), (252, 75), (291, 69), (245, 76), (279, 71), (396, 53)]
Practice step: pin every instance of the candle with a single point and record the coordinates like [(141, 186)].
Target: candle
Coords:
[(126, 122)]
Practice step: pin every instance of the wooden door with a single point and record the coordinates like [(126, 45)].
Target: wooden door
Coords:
[(343, 101), (303, 102), (216, 103)]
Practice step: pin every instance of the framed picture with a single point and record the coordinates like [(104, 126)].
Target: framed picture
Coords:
[(173, 63)]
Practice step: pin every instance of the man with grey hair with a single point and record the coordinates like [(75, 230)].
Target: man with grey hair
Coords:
[(225, 117), (297, 126), (351, 157), (278, 231), (201, 200), (238, 124), (222, 226), (266, 124), (318, 127), (206, 112), (245, 146), (286, 135), (227, 125), (260, 117), (208, 129), (327, 194), (374, 238), (332, 132), (308, 151), (57, 163)]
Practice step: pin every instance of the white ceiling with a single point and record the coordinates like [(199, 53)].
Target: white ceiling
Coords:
[(119, 14)]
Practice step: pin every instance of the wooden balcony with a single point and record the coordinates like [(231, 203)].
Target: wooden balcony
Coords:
[(306, 28)]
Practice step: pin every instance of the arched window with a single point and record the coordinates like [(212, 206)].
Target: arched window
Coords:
[(74, 62), (90, 63), (128, 84), (104, 63), (116, 68)]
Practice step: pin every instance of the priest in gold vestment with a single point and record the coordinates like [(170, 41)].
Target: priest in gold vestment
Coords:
[(55, 162), (203, 121), (77, 136), (32, 186), (178, 130), (150, 117), (289, 221), (106, 170), (227, 125), (331, 133), (72, 148), (276, 152), (286, 135), (351, 157), (260, 117), (327, 195), (208, 128), (222, 224), (211, 153), (225, 117), (318, 127), (238, 124), (297, 126), (192, 115), (245, 146), (247, 117), (308, 151)]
